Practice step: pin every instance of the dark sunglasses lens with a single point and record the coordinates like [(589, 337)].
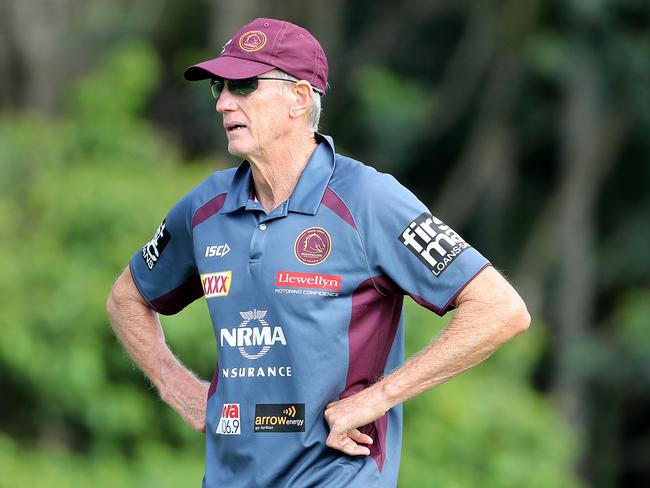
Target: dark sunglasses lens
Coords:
[(216, 86), (242, 87)]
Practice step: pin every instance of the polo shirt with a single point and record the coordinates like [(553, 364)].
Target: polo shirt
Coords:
[(306, 307)]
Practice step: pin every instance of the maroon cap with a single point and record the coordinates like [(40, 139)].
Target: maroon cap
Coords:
[(265, 44)]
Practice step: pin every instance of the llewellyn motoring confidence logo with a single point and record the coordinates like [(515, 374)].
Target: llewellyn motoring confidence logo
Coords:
[(279, 417), (435, 244), (313, 245), (294, 283), (308, 280)]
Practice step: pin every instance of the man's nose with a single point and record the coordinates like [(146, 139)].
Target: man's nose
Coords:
[(226, 101)]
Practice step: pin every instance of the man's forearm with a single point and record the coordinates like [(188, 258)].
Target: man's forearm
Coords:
[(476, 331), (489, 313), (138, 328)]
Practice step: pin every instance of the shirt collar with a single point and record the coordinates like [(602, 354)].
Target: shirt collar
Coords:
[(307, 194)]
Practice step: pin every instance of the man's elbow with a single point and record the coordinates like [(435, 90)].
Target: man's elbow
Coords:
[(518, 318), (112, 305), (113, 301), (121, 293)]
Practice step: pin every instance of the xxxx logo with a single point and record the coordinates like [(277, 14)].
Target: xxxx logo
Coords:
[(216, 284)]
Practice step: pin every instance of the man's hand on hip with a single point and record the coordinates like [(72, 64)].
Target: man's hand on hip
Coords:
[(347, 415), (185, 393)]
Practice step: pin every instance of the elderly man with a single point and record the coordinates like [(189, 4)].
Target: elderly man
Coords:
[(304, 257)]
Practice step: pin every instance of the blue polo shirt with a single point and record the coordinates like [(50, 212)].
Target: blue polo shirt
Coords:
[(306, 307)]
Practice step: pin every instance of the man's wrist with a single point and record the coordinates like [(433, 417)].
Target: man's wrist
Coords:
[(388, 395), (164, 374)]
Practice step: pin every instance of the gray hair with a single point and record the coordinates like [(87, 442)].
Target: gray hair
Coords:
[(315, 110)]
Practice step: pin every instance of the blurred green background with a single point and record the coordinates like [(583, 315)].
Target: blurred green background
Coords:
[(524, 125)]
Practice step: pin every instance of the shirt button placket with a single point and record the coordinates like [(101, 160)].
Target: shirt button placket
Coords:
[(257, 242)]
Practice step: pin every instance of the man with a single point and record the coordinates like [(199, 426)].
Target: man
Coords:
[(304, 257)]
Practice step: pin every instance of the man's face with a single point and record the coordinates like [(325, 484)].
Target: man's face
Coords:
[(256, 121)]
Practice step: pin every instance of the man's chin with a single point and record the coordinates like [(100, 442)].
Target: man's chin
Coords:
[(236, 150)]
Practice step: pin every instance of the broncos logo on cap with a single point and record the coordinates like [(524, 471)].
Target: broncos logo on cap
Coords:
[(252, 41)]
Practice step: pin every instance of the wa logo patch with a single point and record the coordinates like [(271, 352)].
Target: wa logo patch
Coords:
[(279, 417), (230, 423), (152, 250), (435, 244), (216, 284)]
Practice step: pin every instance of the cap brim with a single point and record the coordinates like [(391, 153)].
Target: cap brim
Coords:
[(227, 67)]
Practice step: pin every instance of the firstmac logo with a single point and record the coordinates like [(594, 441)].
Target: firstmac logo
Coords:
[(435, 244), (216, 284), (152, 250)]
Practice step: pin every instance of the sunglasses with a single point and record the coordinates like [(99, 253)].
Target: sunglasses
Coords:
[(243, 87)]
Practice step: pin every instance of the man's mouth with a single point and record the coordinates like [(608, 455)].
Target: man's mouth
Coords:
[(230, 128)]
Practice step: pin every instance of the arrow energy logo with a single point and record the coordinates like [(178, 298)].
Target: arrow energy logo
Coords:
[(291, 411), (279, 417)]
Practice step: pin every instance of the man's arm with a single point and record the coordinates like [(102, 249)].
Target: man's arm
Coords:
[(138, 329), (489, 313)]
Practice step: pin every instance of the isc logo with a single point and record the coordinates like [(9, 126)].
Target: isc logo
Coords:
[(229, 424), (216, 284), (217, 251)]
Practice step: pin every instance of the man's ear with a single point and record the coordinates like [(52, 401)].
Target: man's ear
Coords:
[(303, 97)]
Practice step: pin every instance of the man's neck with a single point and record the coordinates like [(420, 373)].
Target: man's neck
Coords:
[(276, 174)]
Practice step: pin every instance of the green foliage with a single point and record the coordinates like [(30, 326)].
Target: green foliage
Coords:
[(393, 110), (631, 326), (151, 465), (77, 198)]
